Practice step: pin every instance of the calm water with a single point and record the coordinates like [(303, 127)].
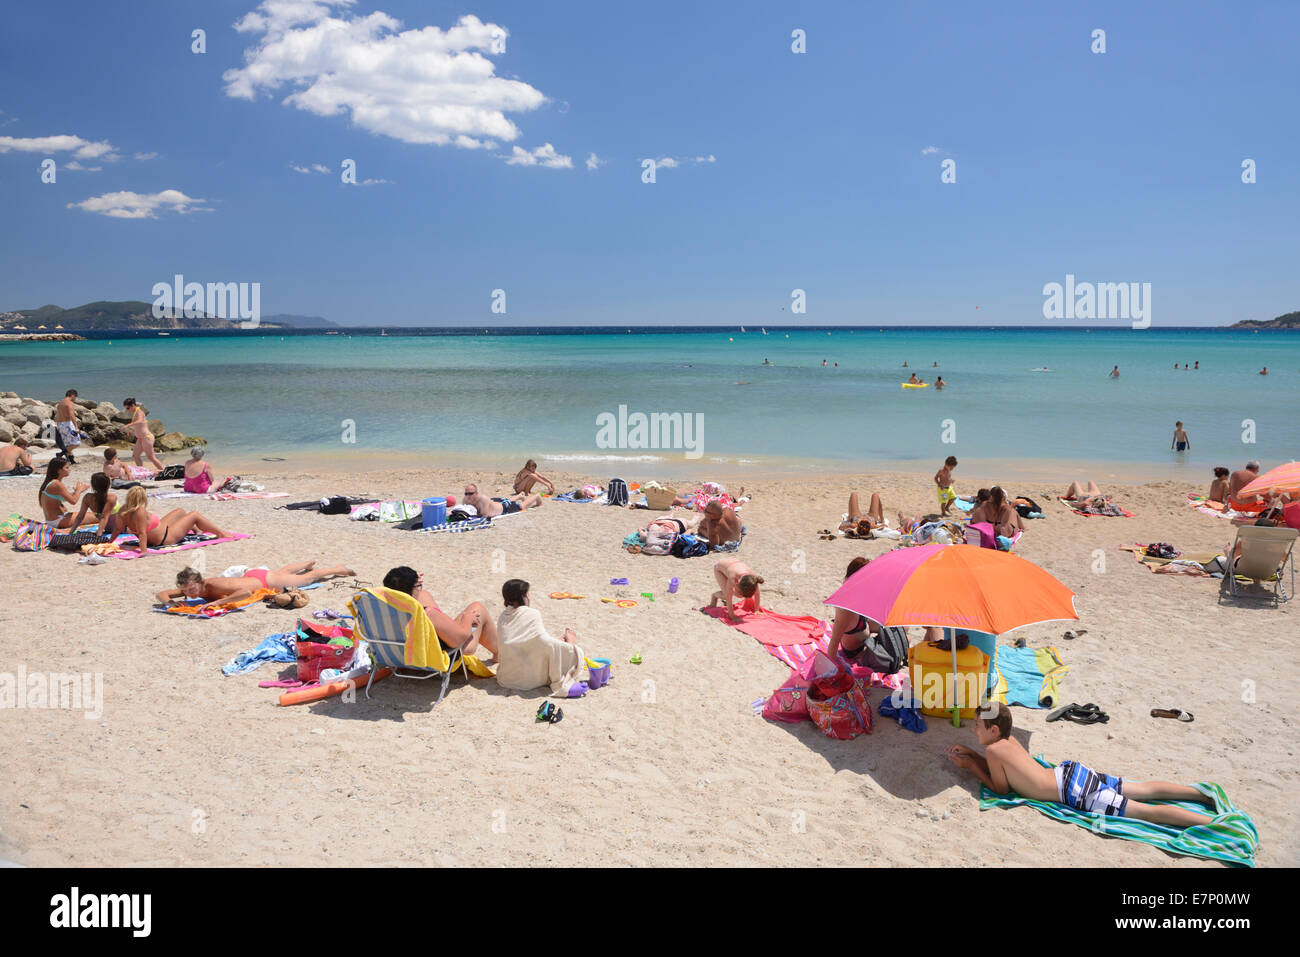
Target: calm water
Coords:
[(541, 395)]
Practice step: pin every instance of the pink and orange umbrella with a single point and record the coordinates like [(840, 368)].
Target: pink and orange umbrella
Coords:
[(955, 586), (1284, 478)]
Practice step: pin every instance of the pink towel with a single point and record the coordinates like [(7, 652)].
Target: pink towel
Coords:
[(128, 555), (770, 627)]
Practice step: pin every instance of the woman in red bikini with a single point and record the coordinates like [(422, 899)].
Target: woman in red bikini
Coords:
[(190, 584)]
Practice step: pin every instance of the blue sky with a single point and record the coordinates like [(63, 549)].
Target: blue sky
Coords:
[(818, 171)]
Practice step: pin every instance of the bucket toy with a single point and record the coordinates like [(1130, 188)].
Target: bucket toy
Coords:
[(599, 669)]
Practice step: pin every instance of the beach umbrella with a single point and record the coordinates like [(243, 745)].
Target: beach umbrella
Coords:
[(1284, 478), (955, 586)]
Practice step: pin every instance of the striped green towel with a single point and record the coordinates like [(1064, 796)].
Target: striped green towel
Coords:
[(1231, 837)]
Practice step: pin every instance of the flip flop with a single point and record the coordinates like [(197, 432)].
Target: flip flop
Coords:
[(1172, 713), (1080, 714)]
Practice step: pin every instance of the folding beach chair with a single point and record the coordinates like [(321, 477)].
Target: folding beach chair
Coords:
[(1265, 555), (402, 637)]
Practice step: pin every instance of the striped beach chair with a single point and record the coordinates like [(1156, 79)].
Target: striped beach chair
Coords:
[(402, 637)]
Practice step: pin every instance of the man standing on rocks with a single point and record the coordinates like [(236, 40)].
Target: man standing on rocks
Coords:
[(143, 437), (66, 436)]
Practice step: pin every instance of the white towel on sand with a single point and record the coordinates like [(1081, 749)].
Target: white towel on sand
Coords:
[(528, 657)]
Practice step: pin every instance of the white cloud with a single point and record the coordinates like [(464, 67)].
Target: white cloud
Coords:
[(320, 168), (146, 156), (667, 162), (419, 86), (930, 149), (376, 182), (299, 169), (76, 166), (129, 205), (595, 162), (82, 149), (706, 159), (544, 155), (672, 162)]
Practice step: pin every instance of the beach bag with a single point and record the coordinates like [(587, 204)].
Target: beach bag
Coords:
[(616, 492), (34, 537), (659, 539), (335, 505), (10, 526), (837, 701), (689, 546), (315, 653), (789, 702), (398, 511), (73, 541), (1023, 510), (171, 472), (885, 652)]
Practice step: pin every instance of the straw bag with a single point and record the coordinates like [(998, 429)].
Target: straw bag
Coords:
[(659, 499)]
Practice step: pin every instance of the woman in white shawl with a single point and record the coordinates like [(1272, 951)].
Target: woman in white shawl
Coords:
[(528, 657)]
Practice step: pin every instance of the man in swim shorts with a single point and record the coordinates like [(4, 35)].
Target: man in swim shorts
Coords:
[(492, 507), (15, 459), (943, 479), (1005, 766), (66, 436)]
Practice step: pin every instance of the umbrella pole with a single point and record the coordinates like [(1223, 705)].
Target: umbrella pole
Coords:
[(951, 634)]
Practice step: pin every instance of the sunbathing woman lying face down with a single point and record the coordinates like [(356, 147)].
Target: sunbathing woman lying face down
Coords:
[(156, 532), (190, 584), (55, 498)]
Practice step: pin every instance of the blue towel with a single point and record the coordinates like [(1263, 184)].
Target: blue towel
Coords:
[(908, 716), (964, 505), (282, 648), (1027, 682)]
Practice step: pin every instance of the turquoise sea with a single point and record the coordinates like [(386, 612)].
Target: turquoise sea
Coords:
[(530, 394)]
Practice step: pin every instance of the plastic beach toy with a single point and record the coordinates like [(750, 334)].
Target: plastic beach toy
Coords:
[(568, 594), (646, 594), (618, 581), (621, 602), (635, 659), (672, 586)]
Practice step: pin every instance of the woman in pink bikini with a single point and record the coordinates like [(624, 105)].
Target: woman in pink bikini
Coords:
[(135, 518), (190, 584)]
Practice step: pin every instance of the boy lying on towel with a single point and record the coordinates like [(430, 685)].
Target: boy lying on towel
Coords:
[(1006, 766)]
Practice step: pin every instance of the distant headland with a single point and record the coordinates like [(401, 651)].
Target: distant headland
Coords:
[(1290, 321), (132, 314)]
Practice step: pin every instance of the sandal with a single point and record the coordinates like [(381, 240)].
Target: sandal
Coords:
[(1080, 714), (1172, 713), (549, 713)]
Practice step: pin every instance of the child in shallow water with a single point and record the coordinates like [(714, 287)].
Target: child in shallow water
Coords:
[(1006, 766)]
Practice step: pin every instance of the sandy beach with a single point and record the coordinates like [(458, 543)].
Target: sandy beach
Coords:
[(667, 765)]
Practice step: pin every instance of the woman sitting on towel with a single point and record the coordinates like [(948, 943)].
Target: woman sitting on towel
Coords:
[(850, 631), (56, 501), (215, 591), (100, 503), (136, 519), (1219, 487), (528, 476), (530, 657), (467, 631), (198, 473)]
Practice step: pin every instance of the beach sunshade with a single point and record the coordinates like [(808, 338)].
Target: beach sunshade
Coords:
[(1284, 478), (955, 586)]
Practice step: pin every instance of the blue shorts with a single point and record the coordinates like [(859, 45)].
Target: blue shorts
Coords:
[(1085, 790)]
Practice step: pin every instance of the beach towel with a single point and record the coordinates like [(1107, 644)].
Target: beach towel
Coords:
[(1231, 837), (190, 610), (282, 648), (1109, 510), (9, 527), (1187, 563), (529, 657), (771, 627), (469, 525), (128, 554), (601, 499), (1029, 677), (796, 658)]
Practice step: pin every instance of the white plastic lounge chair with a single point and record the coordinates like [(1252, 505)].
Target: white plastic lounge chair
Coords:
[(1265, 555), (389, 620)]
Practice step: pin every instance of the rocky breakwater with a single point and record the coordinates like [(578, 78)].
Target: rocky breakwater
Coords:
[(102, 422)]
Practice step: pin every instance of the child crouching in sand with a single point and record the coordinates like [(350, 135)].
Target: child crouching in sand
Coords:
[(1006, 766)]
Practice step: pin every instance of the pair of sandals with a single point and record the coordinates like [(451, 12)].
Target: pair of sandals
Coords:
[(1080, 714), (549, 713)]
